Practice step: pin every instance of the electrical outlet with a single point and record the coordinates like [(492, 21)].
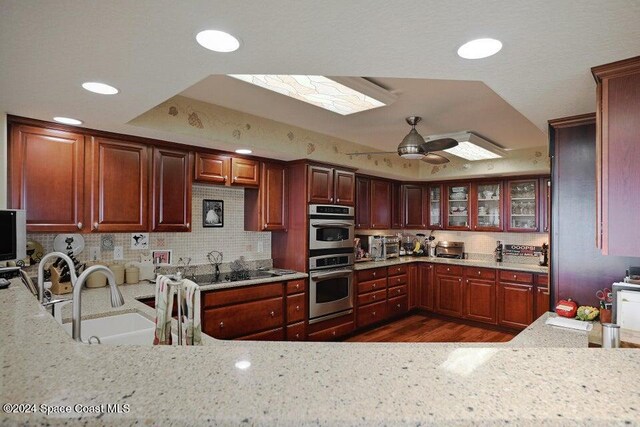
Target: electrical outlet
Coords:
[(94, 253), (118, 252)]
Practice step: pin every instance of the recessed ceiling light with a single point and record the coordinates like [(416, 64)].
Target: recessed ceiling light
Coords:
[(324, 92), (479, 48), (67, 120), (101, 88), (243, 151), (217, 41)]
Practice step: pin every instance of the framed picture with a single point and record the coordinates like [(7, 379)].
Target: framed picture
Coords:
[(165, 256), (139, 240), (212, 213)]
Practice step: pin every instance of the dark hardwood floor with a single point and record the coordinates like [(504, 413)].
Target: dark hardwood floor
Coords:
[(426, 328)]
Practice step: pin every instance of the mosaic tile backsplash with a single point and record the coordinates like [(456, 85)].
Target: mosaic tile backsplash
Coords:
[(231, 239)]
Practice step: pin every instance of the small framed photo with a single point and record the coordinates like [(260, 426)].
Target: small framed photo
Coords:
[(165, 256), (212, 213)]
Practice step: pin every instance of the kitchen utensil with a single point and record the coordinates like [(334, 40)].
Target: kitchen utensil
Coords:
[(604, 295), (66, 243)]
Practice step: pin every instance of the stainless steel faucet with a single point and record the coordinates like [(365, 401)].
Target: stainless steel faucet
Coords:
[(72, 272), (116, 297)]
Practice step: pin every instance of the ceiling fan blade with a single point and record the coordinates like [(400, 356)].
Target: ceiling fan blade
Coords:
[(435, 159), (438, 144), (372, 152)]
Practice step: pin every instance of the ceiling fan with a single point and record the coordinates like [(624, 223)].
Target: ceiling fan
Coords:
[(413, 146)]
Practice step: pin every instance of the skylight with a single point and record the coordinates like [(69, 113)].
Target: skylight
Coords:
[(472, 147), (316, 90)]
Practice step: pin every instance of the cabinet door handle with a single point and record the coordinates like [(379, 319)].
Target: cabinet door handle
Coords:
[(235, 178), (297, 308), (221, 325), (333, 333), (188, 224), (530, 289), (225, 178), (272, 313), (331, 199), (398, 305), (373, 314), (297, 285), (514, 276), (337, 200), (373, 225), (297, 336), (95, 225), (459, 280), (79, 226)]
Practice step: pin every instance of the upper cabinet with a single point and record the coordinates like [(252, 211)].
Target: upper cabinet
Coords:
[(617, 154), (266, 207), (226, 170), (487, 206), (380, 204), (522, 205), (245, 172), (435, 207), (117, 176), (363, 203), (413, 205), (327, 185), (171, 190), (212, 168), (457, 206), (46, 177), (396, 205)]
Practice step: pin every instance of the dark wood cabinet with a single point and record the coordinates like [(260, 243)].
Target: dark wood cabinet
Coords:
[(435, 207), (245, 172), (344, 187), (117, 174), (414, 287), (542, 297), (396, 205), (320, 184), (427, 286), (480, 295), (327, 185), (487, 205), (449, 291), (266, 206), (515, 304), (212, 168), (363, 203), (617, 152), (171, 190), (380, 204), (46, 173), (414, 206)]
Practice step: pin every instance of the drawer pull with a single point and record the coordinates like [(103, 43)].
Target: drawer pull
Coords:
[(398, 290), (272, 313), (333, 333), (515, 276), (297, 308), (374, 296), (374, 274), (448, 269), (298, 335), (399, 280), (373, 286), (221, 325), (479, 273), (297, 285), (373, 313)]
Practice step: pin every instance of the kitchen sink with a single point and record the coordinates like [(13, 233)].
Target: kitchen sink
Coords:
[(119, 329)]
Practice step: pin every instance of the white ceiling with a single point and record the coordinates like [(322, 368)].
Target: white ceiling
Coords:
[(445, 106), (147, 49)]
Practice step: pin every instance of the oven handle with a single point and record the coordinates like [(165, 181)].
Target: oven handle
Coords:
[(331, 275), (332, 224)]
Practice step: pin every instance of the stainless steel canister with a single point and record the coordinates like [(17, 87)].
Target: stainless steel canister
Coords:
[(610, 335)]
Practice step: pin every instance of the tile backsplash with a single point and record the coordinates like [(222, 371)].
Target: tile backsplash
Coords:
[(231, 239)]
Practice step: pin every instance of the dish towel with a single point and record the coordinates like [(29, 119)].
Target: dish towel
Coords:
[(193, 333), (164, 308), (569, 323)]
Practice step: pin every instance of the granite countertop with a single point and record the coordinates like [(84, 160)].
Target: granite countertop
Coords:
[(530, 268), (544, 375)]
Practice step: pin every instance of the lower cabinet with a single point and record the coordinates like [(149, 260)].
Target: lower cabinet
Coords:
[(397, 306), (515, 304), (480, 295), (542, 301), (331, 329), (449, 290), (274, 311), (372, 313), (426, 282)]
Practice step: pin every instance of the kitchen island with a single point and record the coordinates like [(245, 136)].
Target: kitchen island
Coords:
[(544, 375)]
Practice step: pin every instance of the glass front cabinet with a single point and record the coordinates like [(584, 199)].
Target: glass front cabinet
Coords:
[(457, 209), (435, 207), (487, 206), (522, 205)]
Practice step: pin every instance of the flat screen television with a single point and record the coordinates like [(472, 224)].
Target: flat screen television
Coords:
[(13, 235)]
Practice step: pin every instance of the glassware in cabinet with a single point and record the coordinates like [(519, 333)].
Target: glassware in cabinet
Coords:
[(458, 206), (523, 205), (489, 206), (435, 206)]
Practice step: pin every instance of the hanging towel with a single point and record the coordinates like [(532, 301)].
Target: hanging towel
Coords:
[(164, 308), (192, 298)]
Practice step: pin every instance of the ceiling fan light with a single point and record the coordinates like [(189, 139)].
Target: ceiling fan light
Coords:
[(410, 147)]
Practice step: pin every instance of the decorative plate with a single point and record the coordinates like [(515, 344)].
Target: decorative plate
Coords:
[(66, 243)]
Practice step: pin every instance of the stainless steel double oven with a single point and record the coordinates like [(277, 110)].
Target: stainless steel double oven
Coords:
[(331, 233)]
